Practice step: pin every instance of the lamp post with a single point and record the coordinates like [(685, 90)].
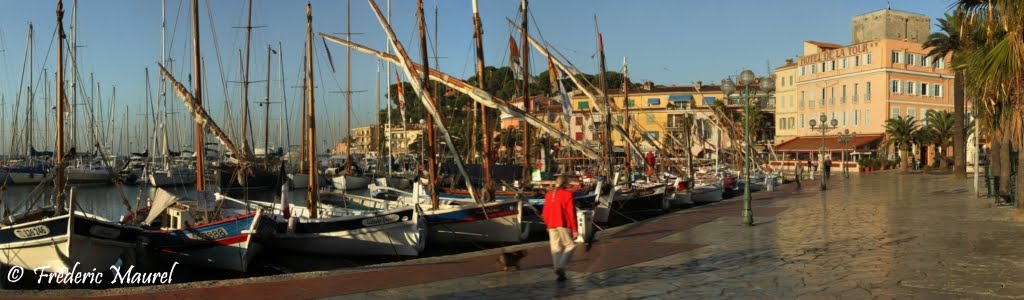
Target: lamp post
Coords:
[(845, 138), (823, 128), (748, 96)]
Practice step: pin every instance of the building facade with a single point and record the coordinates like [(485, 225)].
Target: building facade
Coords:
[(884, 74)]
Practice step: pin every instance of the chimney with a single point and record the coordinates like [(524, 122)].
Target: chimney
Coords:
[(700, 84), (648, 85)]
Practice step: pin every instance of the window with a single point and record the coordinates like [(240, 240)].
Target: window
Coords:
[(856, 60), (810, 104), (802, 70), (895, 86), (911, 113), (790, 80), (832, 66), (653, 102), (814, 68), (844, 118), (579, 136), (619, 119), (856, 117), (867, 117), (832, 96), (924, 89), (908, 58), (628, 103), (653, 135), (833, 117), (856, 86), (939, 92), (579, 121), (895, 57), (650, 119), (867, 92), (867, 59), (709, 100), (939, 63), (895, 112), (842, 97), (922, 60), (802, 121), (843, 64), (802, 95), (822, 98), (781, 122), (583, 105), (910, 88)]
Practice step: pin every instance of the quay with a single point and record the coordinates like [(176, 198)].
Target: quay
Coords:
[(882, 234)]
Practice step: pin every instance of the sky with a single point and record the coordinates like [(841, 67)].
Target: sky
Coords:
[(669, 42)]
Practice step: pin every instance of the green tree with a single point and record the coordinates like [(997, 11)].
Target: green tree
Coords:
[(901, 133), (940, 130), (993, 69), (950, 41)]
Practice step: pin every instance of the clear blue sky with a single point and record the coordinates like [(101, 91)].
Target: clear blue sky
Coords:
[(667, 41)]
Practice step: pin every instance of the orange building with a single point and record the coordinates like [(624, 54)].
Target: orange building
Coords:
[(885, 73)]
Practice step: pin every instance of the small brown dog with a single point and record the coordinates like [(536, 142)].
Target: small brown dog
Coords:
[(507, 261)]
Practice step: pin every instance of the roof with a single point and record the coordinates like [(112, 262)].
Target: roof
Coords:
[(813, 143), (824, 45)]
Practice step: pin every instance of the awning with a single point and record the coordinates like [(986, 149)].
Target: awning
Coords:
[(861, 143), (681, 98)]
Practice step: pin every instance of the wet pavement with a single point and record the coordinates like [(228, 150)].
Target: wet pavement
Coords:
[(875, 235)]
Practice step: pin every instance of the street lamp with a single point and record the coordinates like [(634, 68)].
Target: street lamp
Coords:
[(845, 138), (749, 97), (823, 128)]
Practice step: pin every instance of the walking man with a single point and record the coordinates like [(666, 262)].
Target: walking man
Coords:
[(828, 168), (560, 217)]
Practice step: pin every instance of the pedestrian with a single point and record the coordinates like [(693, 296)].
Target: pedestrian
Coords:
[(560, 217), (828, 168)]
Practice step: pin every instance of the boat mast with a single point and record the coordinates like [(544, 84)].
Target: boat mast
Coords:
[(431, 135), (348, 91), (58, 177), (31, 98), (312, 193), (610, 154), (527, 164), (389, 130), (197, 79), (266, 106), (629, 136), (284, 101), (478, 33), (245, 82)]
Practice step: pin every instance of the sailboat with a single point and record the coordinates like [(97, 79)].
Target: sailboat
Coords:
[(200, 231), (348, 179), (61, 236), (231, 176), (356, 226), (33, 168), (176, 170)]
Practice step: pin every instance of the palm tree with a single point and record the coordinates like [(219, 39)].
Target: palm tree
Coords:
[(994, 70), (901, 132), (949, 41), (940, 133)]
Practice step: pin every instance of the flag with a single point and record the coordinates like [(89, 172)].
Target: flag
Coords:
[(566, 105), (516, 62), (552, 73), (625, 76), (401, 94), (285, 207)]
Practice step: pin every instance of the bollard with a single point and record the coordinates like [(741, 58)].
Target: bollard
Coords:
[(769, 183)]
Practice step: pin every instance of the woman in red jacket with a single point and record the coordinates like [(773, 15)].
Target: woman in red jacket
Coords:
[(560, 217)]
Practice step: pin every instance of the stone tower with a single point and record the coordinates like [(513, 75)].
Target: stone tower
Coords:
[(891, 24)]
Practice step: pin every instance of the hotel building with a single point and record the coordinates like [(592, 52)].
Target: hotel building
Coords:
[(882, 74)]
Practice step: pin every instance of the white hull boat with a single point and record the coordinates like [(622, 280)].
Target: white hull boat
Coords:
[(350, 182)]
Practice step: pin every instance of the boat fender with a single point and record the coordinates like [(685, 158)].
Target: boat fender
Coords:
[(291, 225)]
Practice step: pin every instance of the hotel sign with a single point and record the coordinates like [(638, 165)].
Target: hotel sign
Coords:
[(837, 53)]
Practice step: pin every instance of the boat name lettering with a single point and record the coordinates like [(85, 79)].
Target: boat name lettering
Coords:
[(214, 234), (31, 232), (381, 220), (104, 232)]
